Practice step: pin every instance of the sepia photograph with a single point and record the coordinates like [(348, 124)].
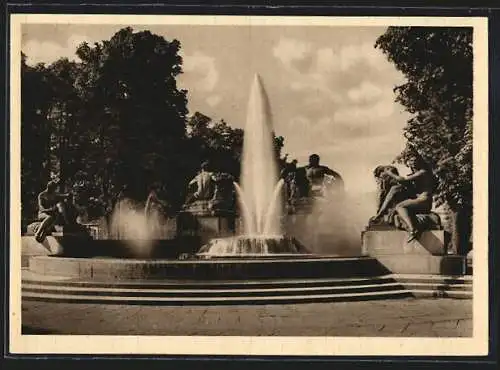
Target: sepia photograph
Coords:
[(249, 185)]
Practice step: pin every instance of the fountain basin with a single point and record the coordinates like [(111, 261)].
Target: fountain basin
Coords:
[(253, 246), (114, 269), (76, 246)]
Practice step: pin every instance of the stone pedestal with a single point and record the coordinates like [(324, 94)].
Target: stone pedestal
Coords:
[(50, 246), (427, 255), (75, 229), (57, 244), (424, 265), (210, 227), (205, 227), (393, 241)]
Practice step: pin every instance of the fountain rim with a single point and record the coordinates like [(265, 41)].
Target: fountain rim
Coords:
[(253, 237), (299, 258)]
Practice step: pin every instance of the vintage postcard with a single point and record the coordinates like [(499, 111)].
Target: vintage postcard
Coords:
[(248, 185)]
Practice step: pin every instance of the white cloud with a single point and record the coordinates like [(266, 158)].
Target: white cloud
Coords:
[(48, 51), (346, 102), (214, 100), (314, 101), (350, 74), (299, 122), (351, 55), (364, 114), (290, 50), (200, 71), (327, 60), (315, 83), (331, 69), (365, 92)]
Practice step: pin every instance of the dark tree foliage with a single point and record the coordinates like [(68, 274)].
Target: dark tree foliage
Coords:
[(116, 121), (216, 142), (64, 115), (135, 112), (437, 64), (36, 100)]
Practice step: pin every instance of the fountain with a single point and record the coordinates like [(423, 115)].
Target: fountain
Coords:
[(262, 264), (259, 197)]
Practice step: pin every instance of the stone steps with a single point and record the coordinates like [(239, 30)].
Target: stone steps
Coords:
[(234, 292), (268, 299), (33, 278), (423, 293), (138, 292)]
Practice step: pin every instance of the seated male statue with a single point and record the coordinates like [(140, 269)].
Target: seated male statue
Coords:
[(52, 210), (204, 183), (316, 175)]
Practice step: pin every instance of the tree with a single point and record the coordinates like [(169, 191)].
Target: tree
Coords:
[(216, 142), (134, 111), (67, 148), (437, 63), (35, 134)]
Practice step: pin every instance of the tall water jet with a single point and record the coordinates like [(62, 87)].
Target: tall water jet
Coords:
[(259, 168), (260, 194)]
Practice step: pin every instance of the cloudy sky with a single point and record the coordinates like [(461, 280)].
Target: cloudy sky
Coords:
[(330, 90)]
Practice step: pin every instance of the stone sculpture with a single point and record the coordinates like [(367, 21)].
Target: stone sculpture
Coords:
[(55, 210), (309, 184), (406, 202), (212, 193)]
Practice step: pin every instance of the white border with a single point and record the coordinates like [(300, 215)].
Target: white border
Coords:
[(324, 346)]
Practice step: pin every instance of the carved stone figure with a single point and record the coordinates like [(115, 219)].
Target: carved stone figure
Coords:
[(53, 209), (223, 190), (203, 183), (390, 193), (315, 174), (406, 202), (309, 184), (213, 192)]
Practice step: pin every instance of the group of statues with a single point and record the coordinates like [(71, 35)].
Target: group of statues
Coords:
[(313, 181), (404, 201)]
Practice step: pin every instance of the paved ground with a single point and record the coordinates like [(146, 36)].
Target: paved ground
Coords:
[(400, 318)]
